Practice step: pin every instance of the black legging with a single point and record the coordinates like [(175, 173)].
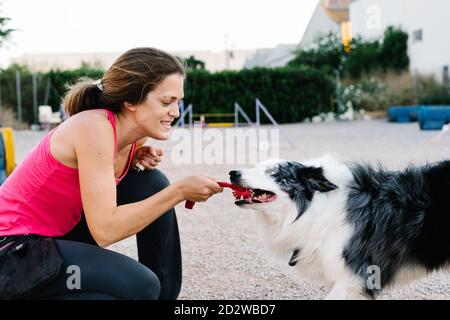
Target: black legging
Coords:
[(106, 274)]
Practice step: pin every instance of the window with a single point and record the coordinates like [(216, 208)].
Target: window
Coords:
[(417, 35)]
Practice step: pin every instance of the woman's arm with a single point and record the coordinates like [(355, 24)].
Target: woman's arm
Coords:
[(107, 222)]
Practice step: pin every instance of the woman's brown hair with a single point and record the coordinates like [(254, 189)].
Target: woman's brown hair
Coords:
[(134, 74)]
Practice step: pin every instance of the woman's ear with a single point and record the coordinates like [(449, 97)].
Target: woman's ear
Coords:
[(129, 106)]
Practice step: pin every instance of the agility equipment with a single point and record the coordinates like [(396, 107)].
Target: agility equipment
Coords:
[(2, 161), (205, 123), (433, 117), (403, 114), (238, 111), (7, 159), (238, 192)]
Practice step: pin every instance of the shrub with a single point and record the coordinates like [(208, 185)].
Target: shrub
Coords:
[(291, 94)]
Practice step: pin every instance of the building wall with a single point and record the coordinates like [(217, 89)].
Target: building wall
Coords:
[(214, 61), (273, 57), (319, 25), (370, 18)]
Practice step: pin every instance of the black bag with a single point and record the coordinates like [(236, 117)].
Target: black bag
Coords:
[(26, 263)]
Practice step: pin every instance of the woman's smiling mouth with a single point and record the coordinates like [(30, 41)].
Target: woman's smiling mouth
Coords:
[(166, 124)]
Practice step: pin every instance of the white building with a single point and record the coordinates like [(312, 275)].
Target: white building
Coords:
[(326, 18), (319, 25), (214, 60), (424, 21), (273, 57)]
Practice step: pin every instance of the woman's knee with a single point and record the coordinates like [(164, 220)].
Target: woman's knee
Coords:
[(137, 186), (102, 271), (143, 285), (158, 178)]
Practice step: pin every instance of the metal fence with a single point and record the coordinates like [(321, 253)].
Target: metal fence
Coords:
[(23, 93)]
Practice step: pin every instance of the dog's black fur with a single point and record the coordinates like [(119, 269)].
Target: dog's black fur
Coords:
[(396, 221), (399, 218), (300, 182)]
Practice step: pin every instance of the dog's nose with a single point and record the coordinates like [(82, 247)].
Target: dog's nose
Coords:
[(235, 174)]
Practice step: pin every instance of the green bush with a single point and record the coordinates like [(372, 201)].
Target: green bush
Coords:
[(393, 54), (325, 54), (51, 87), (365, 57), (60, 79), (384, 89), (431, 92), (362, 59), (367, 94), (8, 90), (291, 94)]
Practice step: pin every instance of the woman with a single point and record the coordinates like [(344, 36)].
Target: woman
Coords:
[(66, 186)]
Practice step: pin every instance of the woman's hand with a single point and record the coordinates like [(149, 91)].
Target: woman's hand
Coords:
[(198, 188), (147, 157)]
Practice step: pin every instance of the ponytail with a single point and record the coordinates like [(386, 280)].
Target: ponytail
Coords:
[(83, 95)]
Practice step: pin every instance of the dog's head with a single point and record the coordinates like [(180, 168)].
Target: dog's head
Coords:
[(273, 181)]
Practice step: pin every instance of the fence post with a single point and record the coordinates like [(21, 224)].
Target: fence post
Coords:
[(47, 91), (238, 109), (35, 102), (236, 115), (19, 97), (257, 114), (182, 112), (259, 105), (191, 116)]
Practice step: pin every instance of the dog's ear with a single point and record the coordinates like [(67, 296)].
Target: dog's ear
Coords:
[(314, 178)]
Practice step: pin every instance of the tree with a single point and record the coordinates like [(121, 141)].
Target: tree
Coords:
[(195, 64), (394, 50), (326, 54), (5, 32), (365, 57)]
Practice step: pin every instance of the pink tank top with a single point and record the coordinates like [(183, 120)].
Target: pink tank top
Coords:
[(42, 196)]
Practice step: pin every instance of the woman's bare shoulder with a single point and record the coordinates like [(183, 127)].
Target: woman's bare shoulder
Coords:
[(91, 126), (88, 120), (88, 116)]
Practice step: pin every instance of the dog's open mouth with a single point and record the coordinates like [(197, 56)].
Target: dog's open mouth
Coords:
[(255, 196)]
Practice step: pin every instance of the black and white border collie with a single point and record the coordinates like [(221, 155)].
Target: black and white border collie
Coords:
[(355, 227)]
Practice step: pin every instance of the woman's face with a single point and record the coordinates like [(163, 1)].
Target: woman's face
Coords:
[(161, 106)]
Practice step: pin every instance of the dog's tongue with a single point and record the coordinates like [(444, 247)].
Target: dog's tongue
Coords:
[(238, 192)]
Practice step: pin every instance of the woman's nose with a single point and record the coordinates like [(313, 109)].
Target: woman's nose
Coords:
[(175, 111)]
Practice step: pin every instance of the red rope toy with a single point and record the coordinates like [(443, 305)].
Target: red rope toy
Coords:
[(238, 192)]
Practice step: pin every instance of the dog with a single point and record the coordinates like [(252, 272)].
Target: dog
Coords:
[(356, 227)]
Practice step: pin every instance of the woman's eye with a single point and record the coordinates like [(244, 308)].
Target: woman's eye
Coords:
[(166, 103)]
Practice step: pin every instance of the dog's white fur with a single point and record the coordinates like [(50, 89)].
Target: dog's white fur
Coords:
[(321, 231)]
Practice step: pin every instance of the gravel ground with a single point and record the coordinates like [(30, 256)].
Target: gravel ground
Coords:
[(223, 257)]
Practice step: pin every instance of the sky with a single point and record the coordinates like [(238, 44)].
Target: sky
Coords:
[(76, 26)]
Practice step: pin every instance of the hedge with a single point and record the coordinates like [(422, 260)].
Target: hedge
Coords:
[(290, 94)]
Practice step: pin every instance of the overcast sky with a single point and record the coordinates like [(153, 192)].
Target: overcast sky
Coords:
[(51, 26)]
